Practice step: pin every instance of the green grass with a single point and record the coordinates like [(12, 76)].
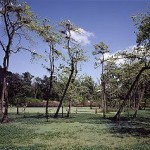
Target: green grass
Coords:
[(82, 131), (53, 110)]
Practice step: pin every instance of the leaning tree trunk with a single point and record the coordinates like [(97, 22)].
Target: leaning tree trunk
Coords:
[(117, 116), (62, 111), (65, 91), (139, 101), (145, 100)]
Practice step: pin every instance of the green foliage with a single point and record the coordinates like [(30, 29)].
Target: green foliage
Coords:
[(31, 100), (100, 48), (142, 22)]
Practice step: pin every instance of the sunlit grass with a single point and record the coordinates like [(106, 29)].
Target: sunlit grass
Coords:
[(82, 131), (53, 110)]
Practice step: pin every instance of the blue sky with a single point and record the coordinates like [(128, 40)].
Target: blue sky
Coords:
[(103, 20)]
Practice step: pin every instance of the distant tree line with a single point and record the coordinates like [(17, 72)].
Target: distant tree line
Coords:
[(25, 86)]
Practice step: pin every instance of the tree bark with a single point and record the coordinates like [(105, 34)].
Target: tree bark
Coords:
[(117, 116), (51, 59), (91, 104), (17, 107), (145, 104), (5, 114), (62, 113), (4, 95), (104, 90), (141, 95), (69, 109)]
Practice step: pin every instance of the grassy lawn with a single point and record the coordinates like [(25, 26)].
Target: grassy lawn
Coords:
[(82, 131)]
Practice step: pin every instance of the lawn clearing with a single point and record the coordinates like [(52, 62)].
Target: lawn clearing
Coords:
[(82, 131)]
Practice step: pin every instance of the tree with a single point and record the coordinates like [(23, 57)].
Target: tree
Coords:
[(88, 89), (52, 39), (102, 48), (15, 89), (113, 83), (75, 55), (141, 53), (15, 18), (27, 84), (37, 89)]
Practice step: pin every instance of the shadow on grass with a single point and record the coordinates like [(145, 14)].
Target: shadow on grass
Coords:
[(138, 127), (40, 118), (134, 131), (134, 127)]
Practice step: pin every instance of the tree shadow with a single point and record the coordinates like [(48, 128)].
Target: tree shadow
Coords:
[(126, 126), (139, 126), (134, 131)]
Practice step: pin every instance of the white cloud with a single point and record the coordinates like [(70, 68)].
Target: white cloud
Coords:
[(119, 59), (107, 56), (131, 48), (82, 36)]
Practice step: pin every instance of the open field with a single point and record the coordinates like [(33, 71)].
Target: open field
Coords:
[(53, 110), (82, 131)]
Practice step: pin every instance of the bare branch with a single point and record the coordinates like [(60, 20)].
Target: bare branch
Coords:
[(6, 25), (19, 41), (3, 47), (33, 53)]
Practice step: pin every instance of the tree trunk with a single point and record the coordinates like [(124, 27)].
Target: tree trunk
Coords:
[(4, 95), (141, 95), (5, 115), (145, 103), (62, 113), (104, 106), (104, 91), (35, 93), (96, 110), (52, 61), (69, 109), (76, 110), (91, 104), (46, 113), (17, 107), (65, 91), (117, 116), (129, 106)]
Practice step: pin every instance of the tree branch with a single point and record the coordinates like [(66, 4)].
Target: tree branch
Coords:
[(3, 47)]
